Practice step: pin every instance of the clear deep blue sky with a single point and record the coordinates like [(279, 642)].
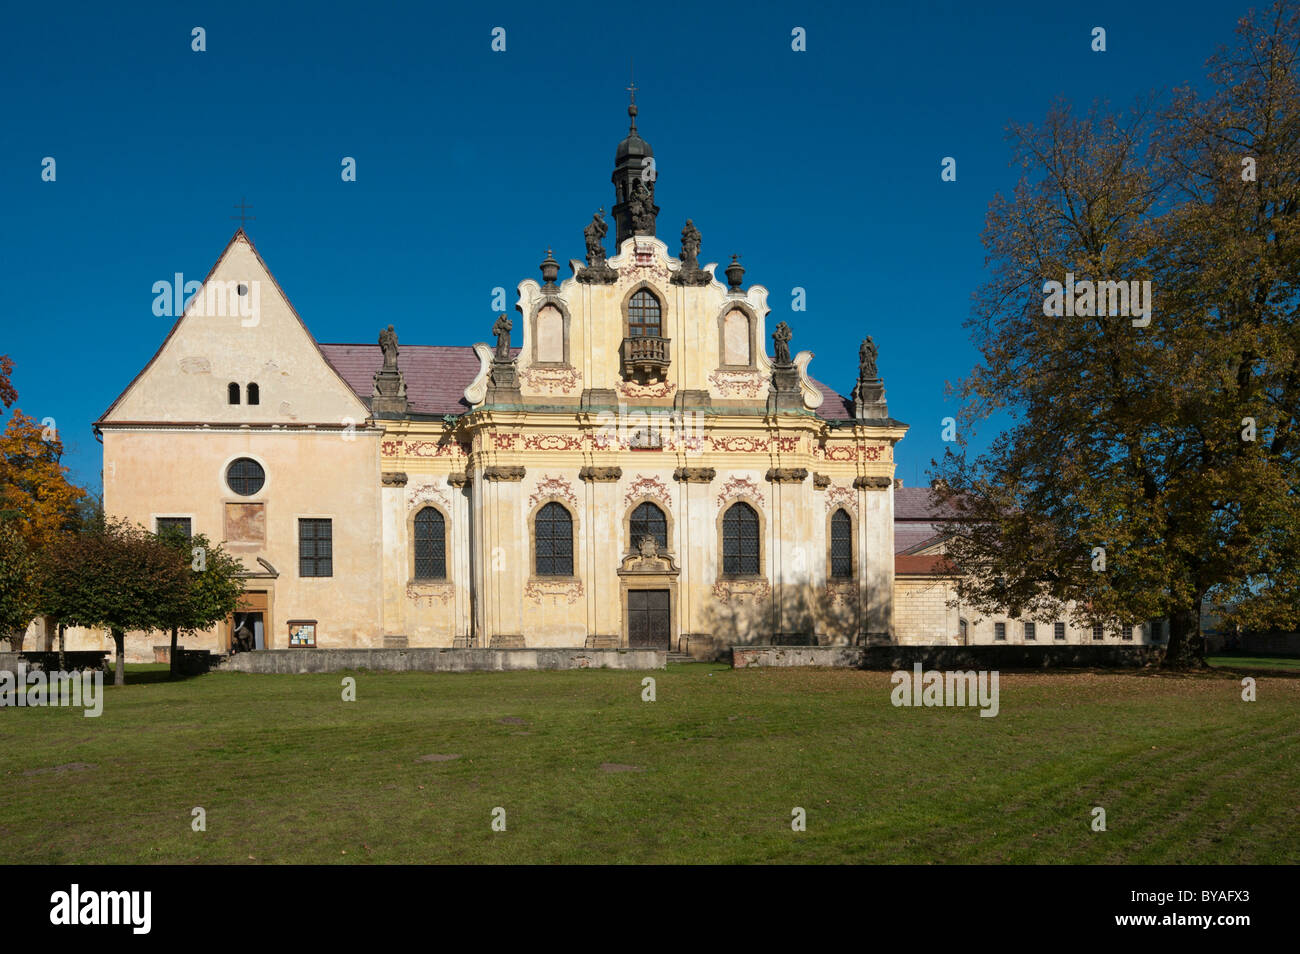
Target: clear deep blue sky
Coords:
[(821, 168)]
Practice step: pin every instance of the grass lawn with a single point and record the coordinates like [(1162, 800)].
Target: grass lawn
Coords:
[(587, 772), (1228, 661)]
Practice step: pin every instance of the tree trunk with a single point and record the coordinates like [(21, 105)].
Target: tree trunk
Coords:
[(63, 663), (119, 670), (172, 655), (1185, 649)]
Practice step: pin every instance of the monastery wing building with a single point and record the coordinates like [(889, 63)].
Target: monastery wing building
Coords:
[(638, 473)]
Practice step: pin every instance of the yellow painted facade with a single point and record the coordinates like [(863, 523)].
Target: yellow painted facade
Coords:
[(594, 412)]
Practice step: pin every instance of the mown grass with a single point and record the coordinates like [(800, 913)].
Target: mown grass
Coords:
[(287, 772), (1247, 661)]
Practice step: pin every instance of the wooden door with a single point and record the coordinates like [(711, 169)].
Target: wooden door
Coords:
[(648, 619)]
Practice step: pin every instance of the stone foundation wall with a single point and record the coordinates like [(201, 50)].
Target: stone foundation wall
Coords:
[(949, 657), (49, 662), (441, 660)]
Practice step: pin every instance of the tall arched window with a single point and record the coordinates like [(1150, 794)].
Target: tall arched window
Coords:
[(254, 394), (553, 541), (740, 540), (232, 393), (648, 521), (841, 546), (644, 316), (430, 545)]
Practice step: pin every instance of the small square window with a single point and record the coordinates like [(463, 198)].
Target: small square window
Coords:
[(1097, 631), (174, 525)]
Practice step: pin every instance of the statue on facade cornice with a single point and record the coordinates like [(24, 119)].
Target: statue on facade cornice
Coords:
[(595, 233), (641, 205), (690, 273), (781, 342), (388, 345), (502, 330), (690, 254), (867, 360)]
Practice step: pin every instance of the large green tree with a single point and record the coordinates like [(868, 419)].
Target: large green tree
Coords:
[(1145, 468), (36, 499), (215, 582), (118, 577), (18, 584)]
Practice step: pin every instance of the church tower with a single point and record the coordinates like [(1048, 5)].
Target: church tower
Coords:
[(634, 183)]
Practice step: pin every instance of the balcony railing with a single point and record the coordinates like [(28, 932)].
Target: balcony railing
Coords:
[(645, 359)]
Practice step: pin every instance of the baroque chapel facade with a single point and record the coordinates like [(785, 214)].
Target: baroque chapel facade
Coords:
[(638, 472)]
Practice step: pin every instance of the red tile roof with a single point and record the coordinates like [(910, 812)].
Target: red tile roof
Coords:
[(915, 503), (936, 565), (915, 535), (437, 376)]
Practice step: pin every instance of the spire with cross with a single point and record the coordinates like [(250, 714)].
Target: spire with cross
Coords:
[(631, 106), (243, 215)]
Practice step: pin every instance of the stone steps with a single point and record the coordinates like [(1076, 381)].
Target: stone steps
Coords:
[(680, 657)]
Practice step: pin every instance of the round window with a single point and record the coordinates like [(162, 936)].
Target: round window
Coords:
[(245, 476)]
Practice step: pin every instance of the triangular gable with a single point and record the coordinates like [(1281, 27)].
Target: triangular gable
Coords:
[(187, 377)]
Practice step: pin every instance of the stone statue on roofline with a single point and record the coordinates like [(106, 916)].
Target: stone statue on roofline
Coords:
[(502, 330), (595, 233), (388, 345), (597, 270), (867, 361), (781, 342), (690, 254), (641, 205), (690, 273)]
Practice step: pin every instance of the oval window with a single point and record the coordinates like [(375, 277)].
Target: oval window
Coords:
[(245, 476)]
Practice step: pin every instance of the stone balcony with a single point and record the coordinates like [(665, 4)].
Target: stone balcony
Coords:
[(645, 359)]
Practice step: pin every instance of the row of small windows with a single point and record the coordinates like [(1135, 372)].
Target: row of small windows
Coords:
[(1058, 631), (552, 535), (232, 394), (553, 540)]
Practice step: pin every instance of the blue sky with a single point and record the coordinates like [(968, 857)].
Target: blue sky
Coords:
[(821, 168)]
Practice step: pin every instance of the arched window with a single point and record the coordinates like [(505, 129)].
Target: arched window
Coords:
[(735, 338), (841, 546), (644, 316), (430, 545), (740, 540), (553, 540), (254, 394), (232, 393), (550, 335), (648, 521)]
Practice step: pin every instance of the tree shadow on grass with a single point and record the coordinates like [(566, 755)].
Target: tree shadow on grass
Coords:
[(147, 674)]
